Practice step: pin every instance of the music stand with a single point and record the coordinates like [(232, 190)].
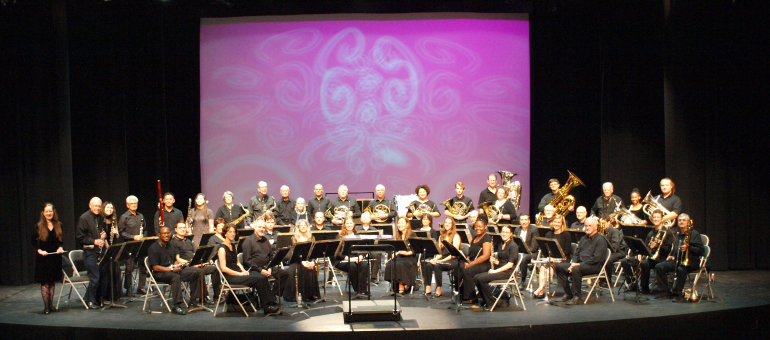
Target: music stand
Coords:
[(205, 237), (129, 250), (576, 234), (369, 232), (283, 240), (244, 232), (321, 250), (425, 246), (492, 228), (456, 298), (277, 260), (638, 231), (110, 258), (387, 228), (555, 254), (497, 240), (638, 247), (323, 235), (190, 237), (464, 237), (521, 244), (201, 257), (282, 229), (421, 233), (299, 253)]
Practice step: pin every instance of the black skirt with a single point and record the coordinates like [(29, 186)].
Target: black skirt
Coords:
[(405, 269), (47, 268)]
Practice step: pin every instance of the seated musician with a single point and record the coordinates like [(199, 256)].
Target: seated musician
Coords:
[(630, 263), (427, 225), (303, 277), (320, 222), (507, 255), (257, 254), (356, 267), (619, 251), (235, 273), (527, 233), (160, 258), (270, 233), (681, 250), (366, 222), (405, 263), (183, 248), (587, 259), (507, 210), (581, 213), (549, 212), (444, 261), (564, 238), (479, 254), (217, 238)]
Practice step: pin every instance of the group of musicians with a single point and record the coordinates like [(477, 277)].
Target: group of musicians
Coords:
[(100, 227)]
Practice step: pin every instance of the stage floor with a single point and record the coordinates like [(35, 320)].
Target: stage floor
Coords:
[(742, 308)]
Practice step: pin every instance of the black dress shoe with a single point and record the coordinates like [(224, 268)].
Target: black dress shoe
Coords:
[(92, 305), (575, 301), (663, 296), (130, 294), (270, 309), (141, 291), (679, 299), (630, 287), (565, 298), (646, 291), (46, 311), (603, 284), (208, 301), (179, 311)]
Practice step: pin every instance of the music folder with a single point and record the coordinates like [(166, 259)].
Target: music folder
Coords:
[(551, 248), (113, 252), (205, 237), (129, 250), (464, 236), (300, 252), (280, 254), (202, 255), (455, 252), (421, 233)]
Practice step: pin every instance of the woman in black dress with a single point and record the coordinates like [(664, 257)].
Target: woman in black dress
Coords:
[(110, 226), (307, 277), (443, 262), (46, 238), (405, 270), (422, 204), (478, 254), (507, 210), (564, 238), (507, 255), (356, 267)]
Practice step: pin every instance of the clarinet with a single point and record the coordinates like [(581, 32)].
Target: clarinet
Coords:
[(141, 228)]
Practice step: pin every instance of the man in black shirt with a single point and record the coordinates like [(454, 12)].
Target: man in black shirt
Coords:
[(489, 193), (607, 203), (553, 184), (319, 220), (131, 227), (93, 241), (284, 212), (581, 213), (668, 200), (170, 214), (344, 201), (381, 200), (319, 202), (587, 259), (527, 233), (269, 224), (257, 254), (649, 263), (185, 251), (160, 258), (260, 203), (675, 259), (465, 200)]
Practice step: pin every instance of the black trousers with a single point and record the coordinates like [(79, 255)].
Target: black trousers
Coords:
[(175, 281), (429, 269), (628, 264), (98, 277), (577, 276), (129, 280), (468, 287), (482, 281), (257, 281), (215, 281), (523, 267), (614, 257), (644, 280), (358, 274), (663, 268)]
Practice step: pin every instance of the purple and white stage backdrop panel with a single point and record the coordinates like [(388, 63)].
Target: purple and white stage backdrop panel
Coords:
[(364, 99)]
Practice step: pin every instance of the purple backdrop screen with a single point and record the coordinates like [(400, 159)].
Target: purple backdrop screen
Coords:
[(363, 100)]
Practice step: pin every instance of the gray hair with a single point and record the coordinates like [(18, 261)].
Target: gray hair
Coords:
[(228, 193), (132, 198)]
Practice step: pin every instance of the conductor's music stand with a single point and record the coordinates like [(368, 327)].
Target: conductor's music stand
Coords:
[(110, 258), (638, 247), (555, 254)]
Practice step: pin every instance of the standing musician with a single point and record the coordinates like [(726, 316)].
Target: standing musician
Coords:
[(132, 227), (93, 241), (554, 185), (184, 250), (479, 253), (110, 226), (405, 270), (581, 213), (302, 277), (47, 242), (527, 233), (505, 206), (319, 202), (382, 200), (587, 259), (444, 261), (235, 274), (162, 259), (284, 211), (460, 190), (217, 238), (619, 251), (170, 214), (422, 203), (607, 203), (636, 206), (343, 200), (300, 211), (669, 200), (257, 254), (227, 211), (202, 219), (356, 267), (507, 255), (488, 194), (674, 262), (648, 263), (260, 203), (320, 222), (557, 233)]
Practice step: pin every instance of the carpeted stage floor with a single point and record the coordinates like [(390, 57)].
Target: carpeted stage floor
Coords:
[(741, 310)]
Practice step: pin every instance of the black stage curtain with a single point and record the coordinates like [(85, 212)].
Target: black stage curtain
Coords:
[(102, 99)]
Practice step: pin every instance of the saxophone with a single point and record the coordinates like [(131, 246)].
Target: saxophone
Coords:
[(562, 201), (239, 219)]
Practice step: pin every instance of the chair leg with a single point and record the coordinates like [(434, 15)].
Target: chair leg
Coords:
[(240, 304), (79, 296)]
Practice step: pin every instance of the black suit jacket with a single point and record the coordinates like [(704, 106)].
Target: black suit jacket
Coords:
[(529, 240)]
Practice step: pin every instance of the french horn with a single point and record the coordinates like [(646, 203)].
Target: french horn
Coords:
[(457, 209), (379, 208)]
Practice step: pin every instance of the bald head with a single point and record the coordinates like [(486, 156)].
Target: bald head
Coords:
[(95, 205)]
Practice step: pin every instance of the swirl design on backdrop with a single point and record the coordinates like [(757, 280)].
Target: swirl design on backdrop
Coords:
[(294, 43), (444, 52), (495, 87)]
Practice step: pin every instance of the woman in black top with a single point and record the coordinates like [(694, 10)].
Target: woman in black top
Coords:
[(443, 262), (217, 238), (478, 254), (507, 210), (405, 262), (356, 267), (422, 203), (46, 238), (303, 277), (110, 226), (636, 206), (565, 242), (507, 255)]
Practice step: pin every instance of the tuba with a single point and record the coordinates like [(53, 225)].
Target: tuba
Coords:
[(514, 188), (458, 208), (562, 201), (380, 208), (650, 205), (493, 212)]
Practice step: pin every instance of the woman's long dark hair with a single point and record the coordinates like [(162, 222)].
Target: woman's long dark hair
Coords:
[(42, 225)]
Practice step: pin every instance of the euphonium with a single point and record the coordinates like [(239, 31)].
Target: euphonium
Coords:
[(458, 208), (650, 205), (380, 208), (562, 201), (513, 188), (626, 217)]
